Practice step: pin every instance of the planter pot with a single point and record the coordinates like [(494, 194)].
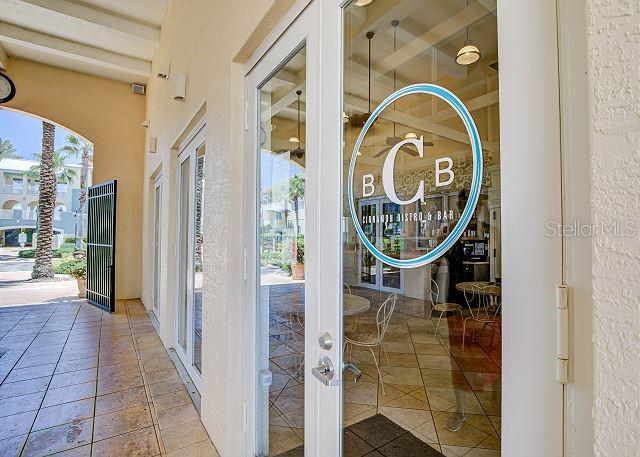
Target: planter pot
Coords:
[(82, 287), (297, 271)]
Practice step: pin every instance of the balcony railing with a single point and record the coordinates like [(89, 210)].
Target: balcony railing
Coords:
[(12, 190)]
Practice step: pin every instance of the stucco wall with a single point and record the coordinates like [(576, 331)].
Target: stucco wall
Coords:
[(614, 61), (106, 113), (201, 39)]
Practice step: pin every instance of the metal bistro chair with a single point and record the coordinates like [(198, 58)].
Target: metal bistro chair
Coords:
[(370, 340), (441, 307), (487, 313)]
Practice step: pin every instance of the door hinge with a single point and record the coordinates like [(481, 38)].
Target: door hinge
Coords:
[(562, 334), (244, 416), (244, 265), (246, 115)]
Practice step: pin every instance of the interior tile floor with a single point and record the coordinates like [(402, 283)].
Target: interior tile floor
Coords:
[(77, 381), (430, 382)]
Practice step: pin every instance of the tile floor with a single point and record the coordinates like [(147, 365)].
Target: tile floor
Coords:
[(431, 378), (77, 381)]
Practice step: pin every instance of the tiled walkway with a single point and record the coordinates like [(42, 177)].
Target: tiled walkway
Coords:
[(76, 381)]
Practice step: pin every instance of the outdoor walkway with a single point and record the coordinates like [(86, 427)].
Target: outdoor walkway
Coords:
[(17, 287), (76, 379)]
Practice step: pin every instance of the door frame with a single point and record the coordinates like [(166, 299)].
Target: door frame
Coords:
[(157, 244), (533, 175), (188, 151)]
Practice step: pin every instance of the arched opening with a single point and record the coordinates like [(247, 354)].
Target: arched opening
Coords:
[(21, 136)]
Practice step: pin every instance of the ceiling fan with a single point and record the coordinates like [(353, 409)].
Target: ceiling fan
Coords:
[(393, 140)]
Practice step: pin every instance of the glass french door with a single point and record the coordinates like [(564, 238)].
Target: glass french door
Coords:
[(401, 100), (191, 169), (384, 232), (157, 232)]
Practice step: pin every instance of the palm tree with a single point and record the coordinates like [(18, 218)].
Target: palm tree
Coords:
[(77, 146), (296, 192), (63, 174), (46, 203), (7, 150)]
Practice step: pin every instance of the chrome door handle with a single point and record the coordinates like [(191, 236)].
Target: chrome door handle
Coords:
[(353, 369), (324, 372)]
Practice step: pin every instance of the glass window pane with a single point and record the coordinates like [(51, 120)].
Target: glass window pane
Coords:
[(404, 327), (281, 210), (198, 259)]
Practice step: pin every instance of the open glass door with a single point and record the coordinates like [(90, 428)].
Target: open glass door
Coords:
[(191, 169)]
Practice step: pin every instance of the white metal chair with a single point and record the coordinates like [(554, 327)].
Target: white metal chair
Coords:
[(487, 313), (368, 339), (441, 307)]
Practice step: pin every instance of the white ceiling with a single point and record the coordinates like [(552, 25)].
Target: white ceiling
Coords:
[(116, 39)]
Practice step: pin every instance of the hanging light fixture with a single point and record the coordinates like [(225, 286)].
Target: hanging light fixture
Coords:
[(345, 118), (468, 53), (363, 2), (410, 136), (298, 151)]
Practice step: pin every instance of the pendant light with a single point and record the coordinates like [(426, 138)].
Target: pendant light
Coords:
[(298, 151), (468, 53), (363, 2)]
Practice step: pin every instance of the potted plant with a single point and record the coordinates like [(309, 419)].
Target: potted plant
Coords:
[(76, 267), (297, 267)]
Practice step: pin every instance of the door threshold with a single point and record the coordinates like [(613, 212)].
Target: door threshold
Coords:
[(186, 379)]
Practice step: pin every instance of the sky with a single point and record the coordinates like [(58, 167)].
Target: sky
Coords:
[(25, 133)]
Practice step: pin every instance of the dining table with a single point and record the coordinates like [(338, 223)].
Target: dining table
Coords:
[(354, 304)]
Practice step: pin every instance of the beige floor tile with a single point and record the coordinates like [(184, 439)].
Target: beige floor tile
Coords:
[(171, 400), (139, 443), (124, 382), (177, 416), (165, 387), (183, 435), (60, 438), (123, 399), (437, 362), (73, 377), (491, 402), (169, 374), (64, 413), (67, 394), (471, 434), (408, 419), (123, 421), (444, 399)]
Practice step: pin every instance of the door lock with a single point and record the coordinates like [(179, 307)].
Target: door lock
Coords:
[(325, 373), (325, 341)]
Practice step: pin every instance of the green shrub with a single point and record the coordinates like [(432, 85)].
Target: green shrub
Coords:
[(73, 267), (70, 240), (31, 253)]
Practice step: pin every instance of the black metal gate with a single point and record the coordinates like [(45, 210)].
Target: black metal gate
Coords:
[(101, 241)]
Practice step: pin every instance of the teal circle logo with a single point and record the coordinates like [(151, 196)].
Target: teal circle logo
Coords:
[(476, 180)]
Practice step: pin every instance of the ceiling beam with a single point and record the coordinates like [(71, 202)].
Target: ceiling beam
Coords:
[(430, 38), (419, 123), (68, 11), (3, 58), (472, 105), (78, 52)]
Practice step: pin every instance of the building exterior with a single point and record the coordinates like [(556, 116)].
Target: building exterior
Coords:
[(19, 198), (461, 273)]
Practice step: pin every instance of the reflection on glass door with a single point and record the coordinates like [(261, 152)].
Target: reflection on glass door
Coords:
[(184, 298), (379, 223), (281, 161), (157, 206), (190, 255), (427, 339)]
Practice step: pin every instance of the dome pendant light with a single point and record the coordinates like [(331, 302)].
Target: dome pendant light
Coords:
[(468, 53)]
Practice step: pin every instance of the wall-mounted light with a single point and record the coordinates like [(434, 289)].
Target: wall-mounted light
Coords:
[(179, 87), (153, 144), (163, 72)]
